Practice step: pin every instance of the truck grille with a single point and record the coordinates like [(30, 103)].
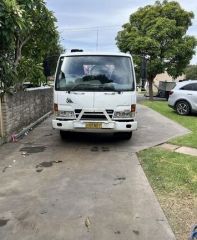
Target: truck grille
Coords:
[(94, 115), (77, 112)]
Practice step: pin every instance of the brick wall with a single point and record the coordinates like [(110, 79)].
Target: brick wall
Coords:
[(23, 108)]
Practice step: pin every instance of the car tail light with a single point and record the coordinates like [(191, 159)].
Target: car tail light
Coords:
[(171, 92)]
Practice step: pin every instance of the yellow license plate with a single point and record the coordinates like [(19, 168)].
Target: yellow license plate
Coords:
[(93, 125)]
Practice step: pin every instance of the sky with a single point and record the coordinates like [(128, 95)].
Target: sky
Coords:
[(92, 25)]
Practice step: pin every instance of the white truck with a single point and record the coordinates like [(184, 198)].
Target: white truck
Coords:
[(95, 92)]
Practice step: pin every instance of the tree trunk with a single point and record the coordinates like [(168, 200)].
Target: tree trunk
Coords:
[(17, 53), (150, 81), (18, 50), (18, 56)]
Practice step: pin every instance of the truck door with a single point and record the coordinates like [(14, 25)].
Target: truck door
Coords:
[(76, 100), (111, 100)]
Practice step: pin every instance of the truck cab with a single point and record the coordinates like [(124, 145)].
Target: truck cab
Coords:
[(95, 92)]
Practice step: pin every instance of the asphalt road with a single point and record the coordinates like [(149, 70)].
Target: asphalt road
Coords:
[(88, 187)]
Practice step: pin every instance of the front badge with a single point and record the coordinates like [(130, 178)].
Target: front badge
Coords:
[(68, 100)]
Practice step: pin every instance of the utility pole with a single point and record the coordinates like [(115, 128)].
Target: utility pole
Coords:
[(97, 38), (143, 72), (144, 63)]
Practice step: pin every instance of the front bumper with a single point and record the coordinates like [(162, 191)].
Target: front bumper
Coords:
[(107, 126)]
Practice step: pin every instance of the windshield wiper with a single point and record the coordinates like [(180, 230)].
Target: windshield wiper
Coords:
[(78, 85), (82, 86), (108, 88)]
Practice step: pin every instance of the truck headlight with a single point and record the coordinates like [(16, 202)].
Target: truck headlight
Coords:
[(66, 114), (124, 114)]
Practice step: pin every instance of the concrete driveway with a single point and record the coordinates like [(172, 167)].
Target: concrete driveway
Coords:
[(88, 187)]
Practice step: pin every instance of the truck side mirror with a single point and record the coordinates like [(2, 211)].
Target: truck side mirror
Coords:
[(47, 69)]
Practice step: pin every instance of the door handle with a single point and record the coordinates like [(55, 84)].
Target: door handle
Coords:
[(189, 94), (78, 93), (109, 93)]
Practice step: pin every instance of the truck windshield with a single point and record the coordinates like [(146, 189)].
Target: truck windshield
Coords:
[(94, 73)]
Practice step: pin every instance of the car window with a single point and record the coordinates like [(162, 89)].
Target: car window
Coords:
[(190, 87), (195, 86)]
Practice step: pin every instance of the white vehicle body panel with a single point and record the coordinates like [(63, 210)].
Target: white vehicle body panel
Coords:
[(79, 99)]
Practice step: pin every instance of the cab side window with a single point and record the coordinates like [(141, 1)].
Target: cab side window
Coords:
[(190, 87), (195, 86)]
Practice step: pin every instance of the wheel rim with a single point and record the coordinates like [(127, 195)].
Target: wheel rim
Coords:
[(182, 108)]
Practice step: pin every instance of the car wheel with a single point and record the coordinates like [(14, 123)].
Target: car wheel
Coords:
[(124, 135), (182, 108)]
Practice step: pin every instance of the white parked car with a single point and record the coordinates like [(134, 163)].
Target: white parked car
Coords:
[(183, 97)]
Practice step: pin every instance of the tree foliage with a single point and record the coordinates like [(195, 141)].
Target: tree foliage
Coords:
[(159, 31), (27, 35), (191, 72)]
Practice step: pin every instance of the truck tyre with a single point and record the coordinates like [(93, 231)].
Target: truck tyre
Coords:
[(63, 134), (125, 135)]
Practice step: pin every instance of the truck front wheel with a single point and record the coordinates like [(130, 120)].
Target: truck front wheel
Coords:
[(124, 135), (63, 134)]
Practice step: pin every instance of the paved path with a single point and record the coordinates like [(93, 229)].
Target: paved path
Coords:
[(87, 187), (179, 149)]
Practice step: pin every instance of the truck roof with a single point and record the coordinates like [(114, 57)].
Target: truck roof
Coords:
[(95, 54)]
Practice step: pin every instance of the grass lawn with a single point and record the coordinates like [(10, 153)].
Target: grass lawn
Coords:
[(173, 176), (174, 180), (189, 122)]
